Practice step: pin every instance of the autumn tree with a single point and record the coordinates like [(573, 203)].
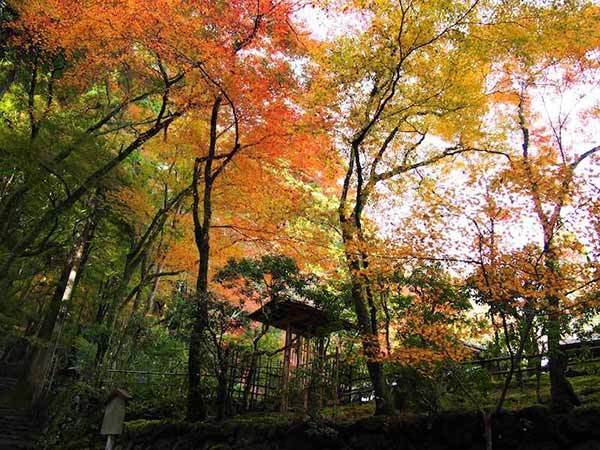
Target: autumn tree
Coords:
[(405, 108), (546, 174), (549, 161), (245, 104), (406, 77)]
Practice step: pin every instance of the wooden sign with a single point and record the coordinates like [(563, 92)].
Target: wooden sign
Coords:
[(114, 416)]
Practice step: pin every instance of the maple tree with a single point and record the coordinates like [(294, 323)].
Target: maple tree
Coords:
[(544, 170), (249, 107), (391, 104), (546, 174)]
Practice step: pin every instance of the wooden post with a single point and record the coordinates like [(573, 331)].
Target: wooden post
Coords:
[(350, 385), (305, 373), (299, 351), (110, 442), (112, 423), (320, 369), (255, 380), (286, 369), (267, 376)]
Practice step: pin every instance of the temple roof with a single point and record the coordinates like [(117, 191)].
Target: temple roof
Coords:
[(302, 319)]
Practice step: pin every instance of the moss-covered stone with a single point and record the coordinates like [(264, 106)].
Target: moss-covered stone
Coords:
[(530, 429), (77, 414)]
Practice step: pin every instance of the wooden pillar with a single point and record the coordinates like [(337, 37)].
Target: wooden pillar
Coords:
[(320, 369), (285, 375), (299, 350), (306, 372)]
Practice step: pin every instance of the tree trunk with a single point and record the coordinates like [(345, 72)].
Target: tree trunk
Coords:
[(252, 367), (132, 318), (563, 396), (196, 409), (109, 317), (150, 307), (223, 386), (388, 321), (367, 324), (37, 363), (487, 430), (248, 381), (196, 405)]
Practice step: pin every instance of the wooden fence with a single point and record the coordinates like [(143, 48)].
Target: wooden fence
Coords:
[(498, 366), (258, 383)]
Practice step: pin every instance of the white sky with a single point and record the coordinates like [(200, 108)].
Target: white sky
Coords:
[(326, 26)]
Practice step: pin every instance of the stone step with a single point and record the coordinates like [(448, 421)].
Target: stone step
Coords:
[(11, 444), (10, 430), (16, 429)]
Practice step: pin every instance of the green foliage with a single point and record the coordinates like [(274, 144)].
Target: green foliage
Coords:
[(278, 278), (439, 388)]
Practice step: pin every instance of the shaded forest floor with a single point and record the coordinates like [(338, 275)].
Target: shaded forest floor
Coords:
[(520, 395), (533, 428), (76, 415)]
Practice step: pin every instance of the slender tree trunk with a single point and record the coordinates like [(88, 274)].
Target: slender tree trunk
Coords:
[(40, 357), (196, 408), (248, 380), (252, 366), (196, 402), (153, 291), (563, 397), (104, 297), (223, 385), (366, 322), (488, 418), (388, 320), (130, 321), (111, 313), (514, 358), (539, 350)]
